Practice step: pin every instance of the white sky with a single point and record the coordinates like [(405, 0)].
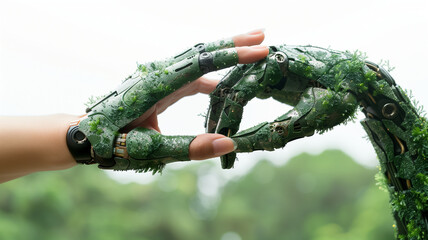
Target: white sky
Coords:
[(55, 54)]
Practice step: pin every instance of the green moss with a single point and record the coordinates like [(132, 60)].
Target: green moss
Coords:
[(386, 65), (93, 100), (142, 68), (162, 88), (381, 181), (308, 72), (410, 204), (151, 166), (370, 76), (362, 87), (338, 76), (302, 58), (153, 66), (414, 232), (398, 203), (420, 136), (423, 178), (93, 125), (421, 200)]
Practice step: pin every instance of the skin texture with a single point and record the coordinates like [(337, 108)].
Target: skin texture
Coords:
[(25, 149)]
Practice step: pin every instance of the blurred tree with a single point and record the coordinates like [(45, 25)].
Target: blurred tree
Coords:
[(328, 196), (311, 197)]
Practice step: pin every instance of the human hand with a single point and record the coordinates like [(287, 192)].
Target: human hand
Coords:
[(205, 145), (134, 106)]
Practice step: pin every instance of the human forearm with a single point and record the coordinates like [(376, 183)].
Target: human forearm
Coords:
[(31, 144)]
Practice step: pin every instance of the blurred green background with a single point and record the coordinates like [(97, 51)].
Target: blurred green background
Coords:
[(327, 196)]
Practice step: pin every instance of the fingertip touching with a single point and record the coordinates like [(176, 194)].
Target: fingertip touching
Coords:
[(248, 39), (206, 146), (252, 54)]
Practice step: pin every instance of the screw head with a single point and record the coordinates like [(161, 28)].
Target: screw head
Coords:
[(200, 47), (279, 57), (205, 55), (390, 110), (279, 129), (79, 137)]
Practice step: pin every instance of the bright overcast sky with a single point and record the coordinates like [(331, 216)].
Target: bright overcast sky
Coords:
[(55, 54)]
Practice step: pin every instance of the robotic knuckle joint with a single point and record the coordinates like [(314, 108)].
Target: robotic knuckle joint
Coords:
[(200, 47), (390, 110), (282, 60), (206, 62), (224, 92), (279, 127)]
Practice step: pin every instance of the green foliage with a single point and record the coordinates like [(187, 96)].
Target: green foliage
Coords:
[(318, 201), (381, 181), (93, 125), (419, 108), (142, 70), (421, 200), (420, 137), (311, 197), (422, 177), (141, 67), (386, 65), (152, 166), (414, 232), (92, 100), (370, 76), (332, 103), (398, 203)]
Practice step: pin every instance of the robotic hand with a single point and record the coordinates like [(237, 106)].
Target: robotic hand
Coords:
[(325, 87), (109, 134)]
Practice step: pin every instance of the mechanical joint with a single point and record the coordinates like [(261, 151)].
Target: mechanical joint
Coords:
[(280, 127), (390, 110), (79, 146), (282, 60), (200, 47), (206, 62)]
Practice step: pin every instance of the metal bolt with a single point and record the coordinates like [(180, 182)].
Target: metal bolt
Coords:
[(205, 55), (200, 48), (389, 110), (79, 137), (279, 129), (280, 58)]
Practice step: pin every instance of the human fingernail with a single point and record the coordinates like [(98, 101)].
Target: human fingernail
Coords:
[(259, 47), (222, 146), (257, 31)]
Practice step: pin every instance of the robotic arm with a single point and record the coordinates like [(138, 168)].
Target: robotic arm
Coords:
[(325, 88), (97, 137)]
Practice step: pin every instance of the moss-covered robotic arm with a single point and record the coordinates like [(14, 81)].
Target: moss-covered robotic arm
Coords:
[(326, 87), (97, 137)]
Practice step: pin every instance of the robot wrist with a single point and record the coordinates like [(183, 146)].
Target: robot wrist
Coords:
[(79, 146), (82, 150)]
